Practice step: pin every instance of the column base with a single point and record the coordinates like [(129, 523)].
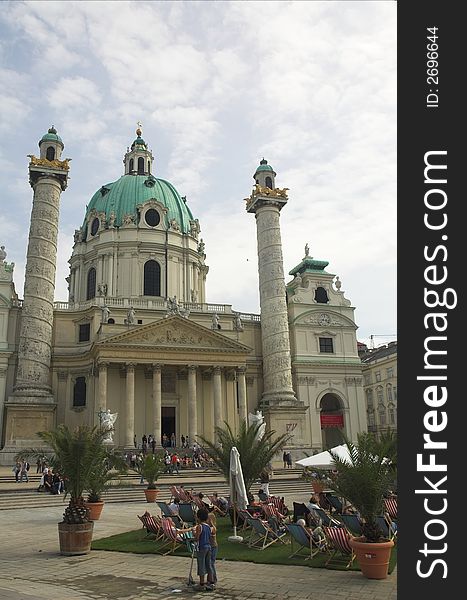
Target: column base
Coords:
[(288, 417)]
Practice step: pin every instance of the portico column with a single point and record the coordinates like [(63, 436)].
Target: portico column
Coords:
[(157, 402), (102, 400), (130, 406), (217, 391), (242, 403), (192, 415)]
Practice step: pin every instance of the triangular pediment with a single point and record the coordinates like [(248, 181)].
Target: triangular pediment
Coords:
[(175, 332)]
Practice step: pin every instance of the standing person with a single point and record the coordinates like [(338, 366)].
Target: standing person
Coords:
[(203, 537), (135, 442), (17, 470), (214, 546), (38, 466), (173, 440), (24, 471), (182, 439), (264, 479), (174, 463), (153, 445), (284, 459), (289, 459)]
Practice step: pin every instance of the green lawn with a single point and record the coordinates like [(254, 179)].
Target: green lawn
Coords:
[(139, 543)]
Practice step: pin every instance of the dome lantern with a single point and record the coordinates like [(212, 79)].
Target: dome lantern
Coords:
[(138, 159), (264, 175)]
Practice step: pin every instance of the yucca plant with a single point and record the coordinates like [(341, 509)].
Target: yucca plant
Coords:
[(364, 481), (255, 454), (77, 455)]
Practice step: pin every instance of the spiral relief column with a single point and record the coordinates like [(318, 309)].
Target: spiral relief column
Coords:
[(31, 407)]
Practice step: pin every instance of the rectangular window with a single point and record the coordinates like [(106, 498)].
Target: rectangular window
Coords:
[(79, 392), (367, 379), (325, 345), (85, 332), (378, 375), (390, 372)]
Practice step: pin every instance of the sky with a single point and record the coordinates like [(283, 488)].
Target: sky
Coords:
[(310, 86)]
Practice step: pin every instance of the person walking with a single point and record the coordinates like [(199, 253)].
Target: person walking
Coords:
[(24, 471), (17, 470), (174, 461)]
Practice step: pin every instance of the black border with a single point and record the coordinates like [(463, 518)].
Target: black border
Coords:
[(420, 130)]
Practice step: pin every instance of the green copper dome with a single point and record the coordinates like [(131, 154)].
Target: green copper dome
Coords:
[(263, 166), (51, 136), (123, 196)]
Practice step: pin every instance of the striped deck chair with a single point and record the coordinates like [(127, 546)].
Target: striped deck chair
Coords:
[(199, 503), (304, 540), (338, 542), (172, 538), (278, 504), (184, 495), (271, 512), (244, 516), (152, 525), (262, 535), (174, 491), (390, 505)]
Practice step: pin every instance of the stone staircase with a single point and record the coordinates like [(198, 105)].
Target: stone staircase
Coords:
[(16, 496)]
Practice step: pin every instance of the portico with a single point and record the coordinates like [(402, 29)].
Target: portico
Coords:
[(172, 363)]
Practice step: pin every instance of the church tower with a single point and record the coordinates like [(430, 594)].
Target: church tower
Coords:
[(278, 399), (31, 407)]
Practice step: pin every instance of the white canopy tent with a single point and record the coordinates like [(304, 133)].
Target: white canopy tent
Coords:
[(324, 460)]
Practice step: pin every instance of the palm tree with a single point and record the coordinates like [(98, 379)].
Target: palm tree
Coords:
[(255, 454), (110, 467), (150, 467), (364, 481), (77, 455)]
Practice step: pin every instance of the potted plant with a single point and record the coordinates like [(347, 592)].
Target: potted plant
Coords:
[(150, 467), (110, 466), (363, 480), (77, 454)]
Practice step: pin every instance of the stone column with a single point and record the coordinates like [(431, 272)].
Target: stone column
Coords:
[(217, 393), (34, 350), (3, 373), (157, 402), (130, 406), (277, 373), (192, 411), (242, 402), (102, 386)]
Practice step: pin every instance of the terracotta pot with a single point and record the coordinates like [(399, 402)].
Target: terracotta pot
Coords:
[(373, 558), (75, 538), (95, 510), (151, 495)]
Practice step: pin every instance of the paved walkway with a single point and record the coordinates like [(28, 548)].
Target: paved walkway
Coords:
[(31, 568)]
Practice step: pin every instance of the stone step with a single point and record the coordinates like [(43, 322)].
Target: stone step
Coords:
[(17, 499)]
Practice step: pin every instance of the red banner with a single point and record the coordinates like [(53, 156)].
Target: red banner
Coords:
[(332, 421)]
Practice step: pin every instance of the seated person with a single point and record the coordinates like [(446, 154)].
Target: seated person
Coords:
[(316, 533), (48, 482), (262, 495), (57, 483), (173, 506), (220, 502)]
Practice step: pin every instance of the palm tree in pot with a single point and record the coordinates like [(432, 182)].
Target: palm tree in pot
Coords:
[(363, 481), (110, 466), (77, 455), (256, 452), (150, 467)]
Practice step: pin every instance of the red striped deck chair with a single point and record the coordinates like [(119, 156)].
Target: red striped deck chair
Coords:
[(184, 495), (338, 543), (175, 492), (152, 525), (390, 505), (278, 504), (271, 512), (171, 538), (199, 503)]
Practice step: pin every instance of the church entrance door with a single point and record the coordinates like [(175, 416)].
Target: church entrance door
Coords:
[(168, 422)]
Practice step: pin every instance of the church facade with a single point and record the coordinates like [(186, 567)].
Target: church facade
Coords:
[(138, 336)]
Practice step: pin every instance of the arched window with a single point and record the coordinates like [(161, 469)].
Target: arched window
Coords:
[(321, 296), (392, 415), (91, 284), (149, 166), (382, 415), (79, 392), (269, 183), (152, 278), (140, 165), (50, 154), (132, 165)]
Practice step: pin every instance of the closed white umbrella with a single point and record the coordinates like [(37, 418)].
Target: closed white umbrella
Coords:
[(324, 460), (238, 495)]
